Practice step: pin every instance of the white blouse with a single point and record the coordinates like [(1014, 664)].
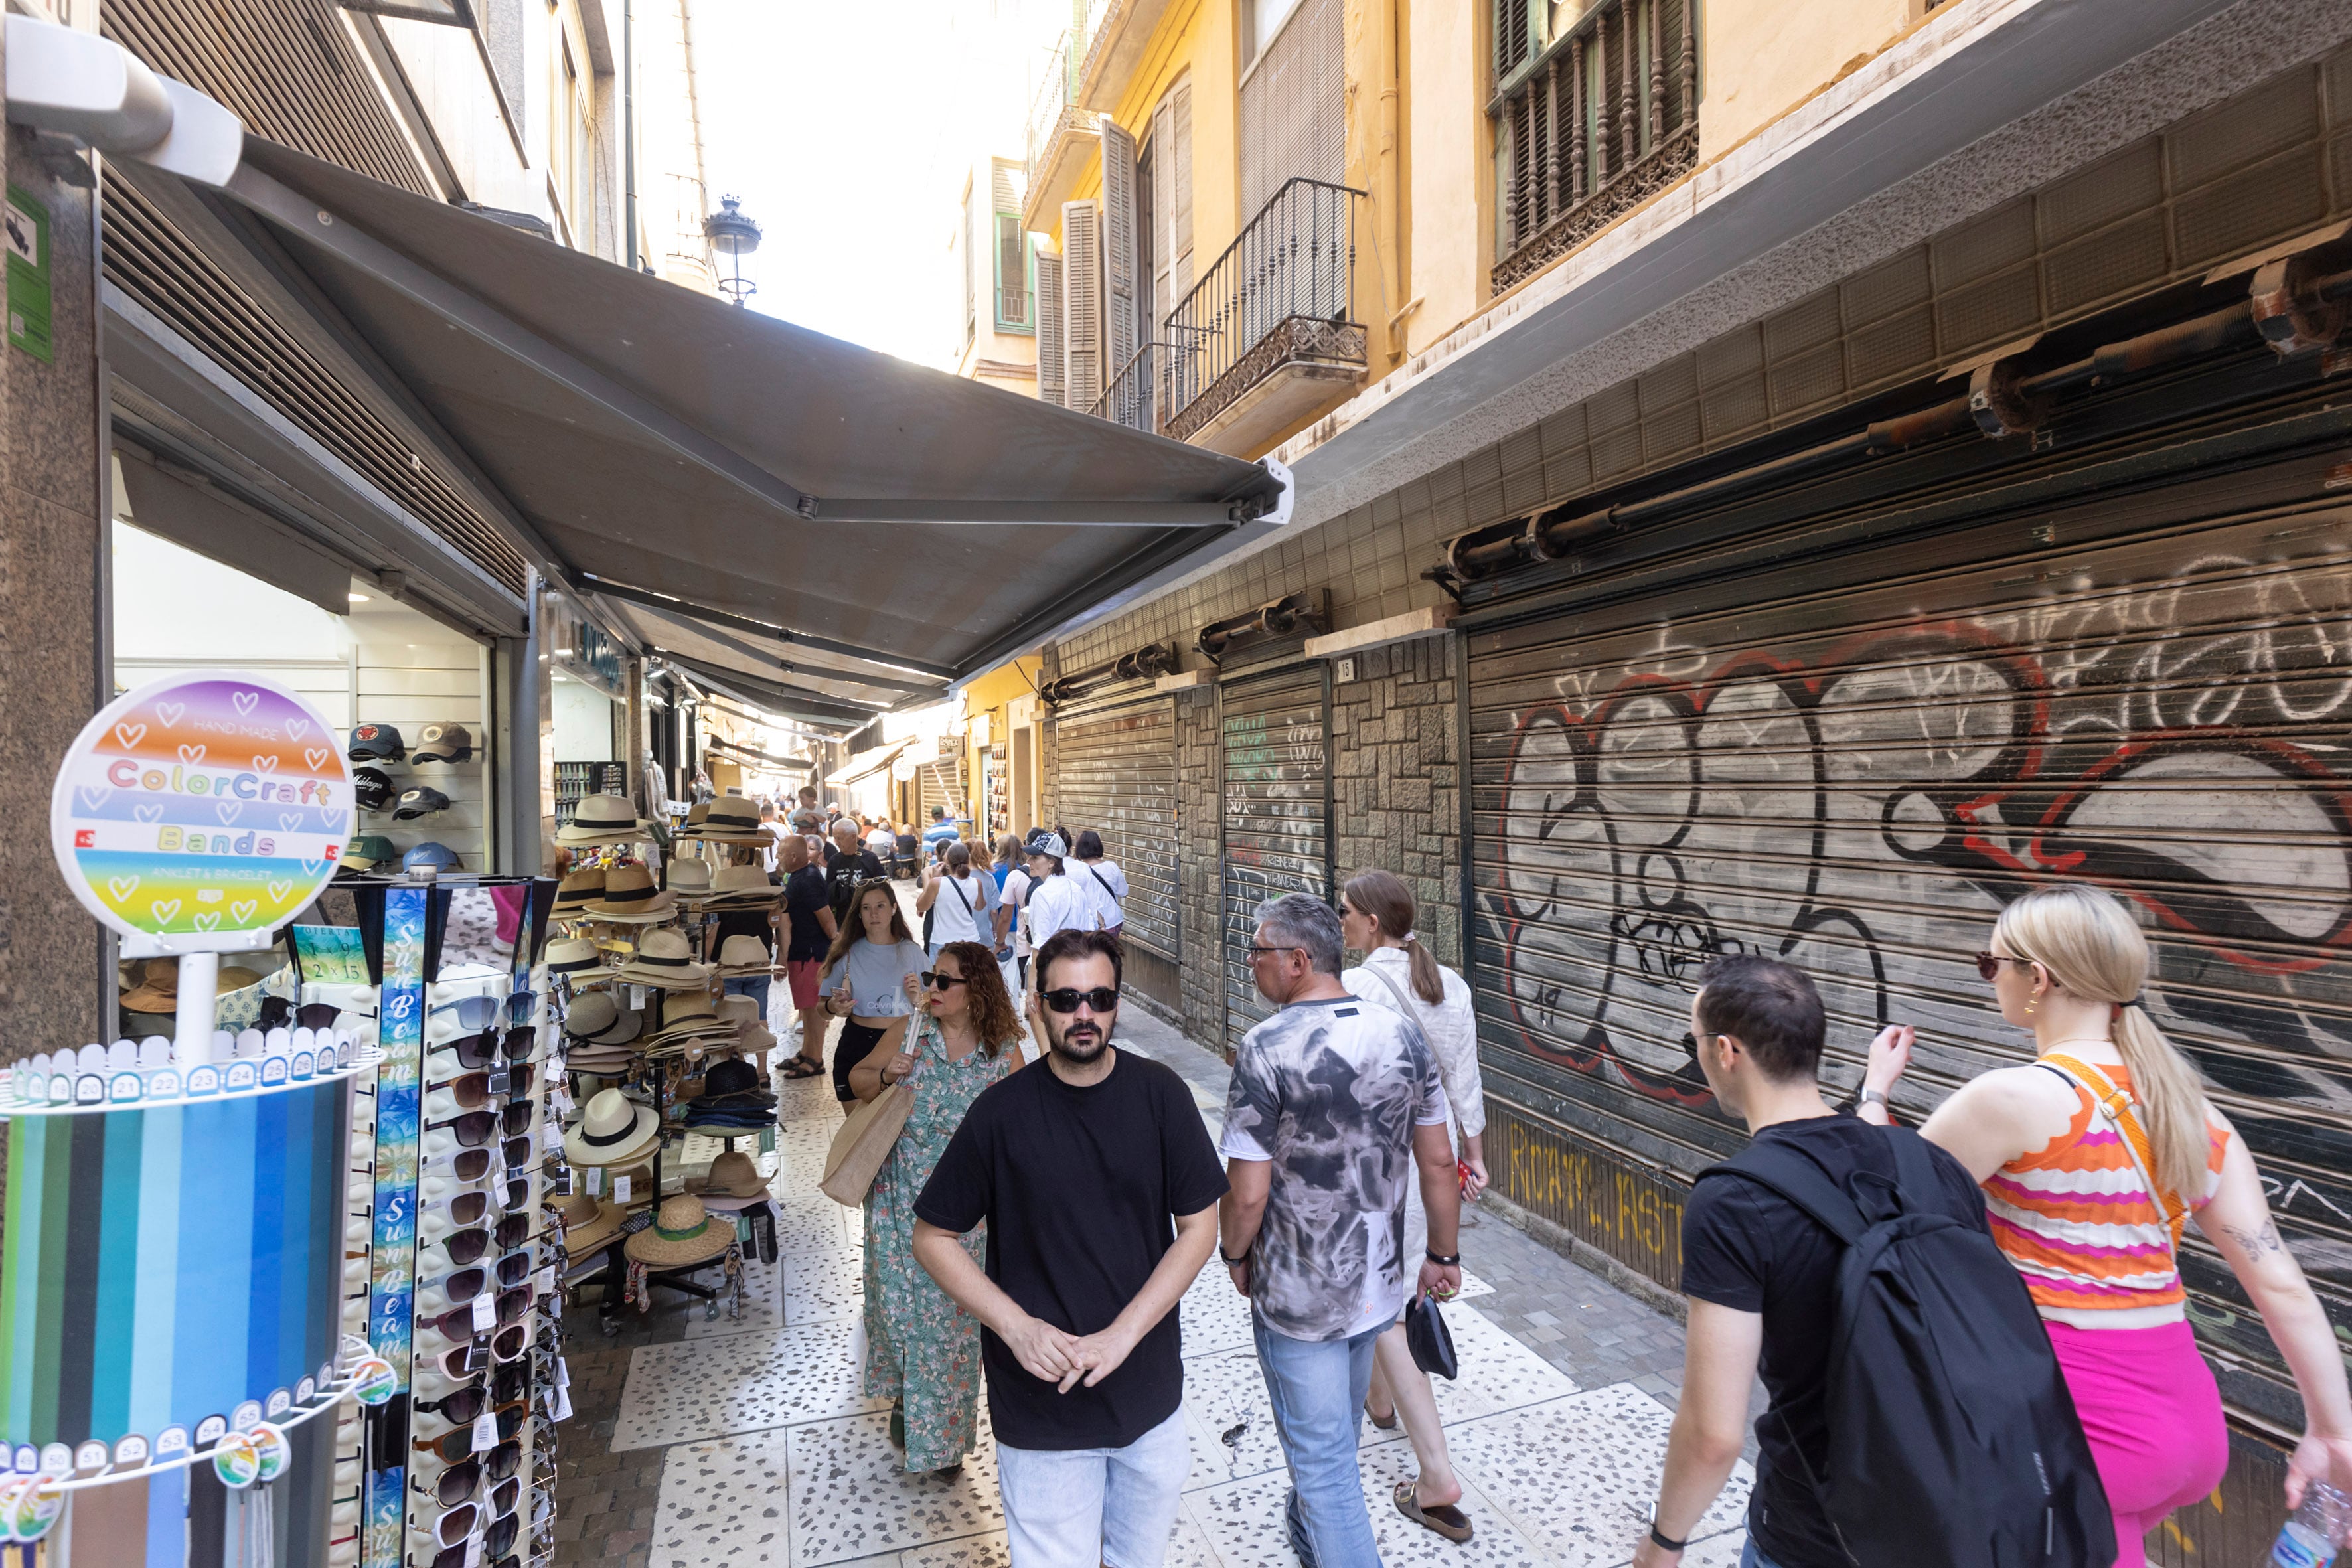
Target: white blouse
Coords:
[(1451, 1027)]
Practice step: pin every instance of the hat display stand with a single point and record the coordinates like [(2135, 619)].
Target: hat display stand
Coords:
[(171, 1344)]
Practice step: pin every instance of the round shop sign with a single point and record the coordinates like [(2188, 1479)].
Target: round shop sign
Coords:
[(237, 1461), (202, 810)]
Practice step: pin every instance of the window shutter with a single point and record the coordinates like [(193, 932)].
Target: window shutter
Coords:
[(1120, 264), (1010, 258), (1050, 380), (1294, 106), (1163, 206), (1082, 304), (1179, 162), (971, 272)]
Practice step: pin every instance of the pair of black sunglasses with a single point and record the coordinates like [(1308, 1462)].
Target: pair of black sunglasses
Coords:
[(491, 1046), (1102, 999), (939, 982)]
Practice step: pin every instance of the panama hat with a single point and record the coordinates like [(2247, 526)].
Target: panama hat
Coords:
[(664, 959), (590, 1223), (741, 888), (577, 959), (579, 890), (603, 819), (751, 1027), (743, 954), (734, 1184), (612, 1131), (689, 879), (689, 1015), (599, 1018), (158, 990), (683, 1234), (735, 820), (630, 895), (697, 815)]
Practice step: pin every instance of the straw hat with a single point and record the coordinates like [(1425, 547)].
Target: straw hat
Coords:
[(666, 959), (682, 1234), (695, 818), (641, 1184), (734, 1184), (744, 954), (742, 888), (689, 1014), (735, 820), (158, 990), (602, 1062), (603, 819), (599, 1018), (689, 879), (578, 890), (578, 959), (612, 1131), (630, 895), (751, 1029), (590, 1223)]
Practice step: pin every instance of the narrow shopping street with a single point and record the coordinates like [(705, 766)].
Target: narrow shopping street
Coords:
[(744, 1442)]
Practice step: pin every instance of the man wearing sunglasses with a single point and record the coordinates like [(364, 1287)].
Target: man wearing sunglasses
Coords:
[(1100, 1187), (1335, 1104)]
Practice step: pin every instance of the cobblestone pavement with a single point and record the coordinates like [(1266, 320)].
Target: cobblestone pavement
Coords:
[(743, 1442)]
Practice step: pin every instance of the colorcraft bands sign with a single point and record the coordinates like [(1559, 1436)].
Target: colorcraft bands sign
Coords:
[(203, 810)]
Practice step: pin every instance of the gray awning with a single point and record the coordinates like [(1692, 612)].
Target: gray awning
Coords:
[(749, 494), (179, 506)]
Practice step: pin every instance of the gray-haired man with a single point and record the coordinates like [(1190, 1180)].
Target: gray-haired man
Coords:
[(1333, 1106)]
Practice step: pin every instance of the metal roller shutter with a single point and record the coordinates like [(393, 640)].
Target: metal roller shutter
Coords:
[(1276, 735), (1855, 765), (940, 781), (1118, 777)]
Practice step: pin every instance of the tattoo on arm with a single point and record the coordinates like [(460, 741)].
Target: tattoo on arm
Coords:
[(2257, 1243)]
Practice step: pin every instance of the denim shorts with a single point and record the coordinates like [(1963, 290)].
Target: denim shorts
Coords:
[(1081, 1508)]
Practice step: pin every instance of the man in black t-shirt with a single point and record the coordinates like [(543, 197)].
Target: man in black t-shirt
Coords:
[(1760, 1274), (808, 907), (1099, 1186), (848, 864)]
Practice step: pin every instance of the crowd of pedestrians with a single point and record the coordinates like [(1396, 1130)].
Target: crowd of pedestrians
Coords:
[(1037, 1228)]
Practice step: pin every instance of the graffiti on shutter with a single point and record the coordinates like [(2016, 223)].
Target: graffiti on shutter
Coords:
[(1118, 777), (1277, 783), (1855, 769)]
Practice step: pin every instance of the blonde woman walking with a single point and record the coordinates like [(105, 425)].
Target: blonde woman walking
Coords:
[(2093, 1158), (1376, 917)]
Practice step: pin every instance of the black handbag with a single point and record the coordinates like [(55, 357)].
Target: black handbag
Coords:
[(1426, 1335)]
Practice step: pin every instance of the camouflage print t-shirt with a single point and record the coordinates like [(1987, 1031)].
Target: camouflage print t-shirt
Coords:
[(1331, 1093)]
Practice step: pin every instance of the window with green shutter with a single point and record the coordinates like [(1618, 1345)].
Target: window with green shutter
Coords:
[(1016, 260)]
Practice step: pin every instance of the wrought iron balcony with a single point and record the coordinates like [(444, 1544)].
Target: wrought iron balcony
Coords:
[(1267, 337), (1588, 124), (1059, 131)]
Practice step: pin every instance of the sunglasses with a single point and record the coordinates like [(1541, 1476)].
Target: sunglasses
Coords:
[(940, 981), (461, 1286), (497, 1463), (473, 1164), (1256, 952), (457, 1323), (1989, 963), (486, 1048), (472, 1012), (476, 1128), (456, 1446), (463, 1247), (452, 1528), (495, 1542), (1102, 999), (472, 1090)]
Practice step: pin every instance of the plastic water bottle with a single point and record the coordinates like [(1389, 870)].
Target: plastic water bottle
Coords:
[(2317, 1529)]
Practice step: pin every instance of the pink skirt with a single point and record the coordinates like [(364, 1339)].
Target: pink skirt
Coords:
[(2149, 1406)]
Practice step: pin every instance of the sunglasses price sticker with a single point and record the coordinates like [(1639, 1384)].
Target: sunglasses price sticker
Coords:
[(204, 811)]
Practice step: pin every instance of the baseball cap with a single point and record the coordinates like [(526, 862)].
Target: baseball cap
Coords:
[(374, 788), (1045, 841), (376, 741), (368, 851), (419, 802), (432, 856), (442, 744)]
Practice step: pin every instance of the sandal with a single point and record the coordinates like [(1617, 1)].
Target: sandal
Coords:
[(800, 1067), (1444, 1518), (1388, 1426)]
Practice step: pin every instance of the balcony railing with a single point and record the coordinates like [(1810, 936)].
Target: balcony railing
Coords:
[(1601, 119), (1284, 290), (1134, 397), (1055, 103)]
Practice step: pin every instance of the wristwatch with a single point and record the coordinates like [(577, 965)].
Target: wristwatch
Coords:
[(1230, 1260), (1871, 1097)]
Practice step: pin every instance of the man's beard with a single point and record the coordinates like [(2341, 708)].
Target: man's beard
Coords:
[(1082, 1052)]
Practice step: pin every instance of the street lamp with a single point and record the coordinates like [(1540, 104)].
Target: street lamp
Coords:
[(731, 233)]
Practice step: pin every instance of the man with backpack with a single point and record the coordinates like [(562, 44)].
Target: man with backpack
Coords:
[(1916, 1413)]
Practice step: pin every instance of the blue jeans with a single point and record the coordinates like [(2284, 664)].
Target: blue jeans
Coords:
[(752, 986), (1751, 1558), (1318, 1390)]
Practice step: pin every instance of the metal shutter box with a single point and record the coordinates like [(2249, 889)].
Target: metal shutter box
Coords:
[(1277, 740)]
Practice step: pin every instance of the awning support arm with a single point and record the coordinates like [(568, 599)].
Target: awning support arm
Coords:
[(836, 710), (683, 620), (591, 583)]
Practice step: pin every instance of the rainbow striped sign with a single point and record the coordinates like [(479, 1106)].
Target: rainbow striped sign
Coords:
[(163, 1266), (203, 810)]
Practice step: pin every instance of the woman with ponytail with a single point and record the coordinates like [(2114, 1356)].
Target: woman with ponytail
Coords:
[(2093, 1158), (1376, 917)]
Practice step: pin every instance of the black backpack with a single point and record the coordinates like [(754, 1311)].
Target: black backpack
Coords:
[(1953, 1441)]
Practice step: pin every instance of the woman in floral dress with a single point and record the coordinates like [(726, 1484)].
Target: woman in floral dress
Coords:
[(922, 1350)]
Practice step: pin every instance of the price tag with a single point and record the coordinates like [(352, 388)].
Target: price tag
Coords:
[(474, 1550), (562, 1409), (501, 1083), (596, 1181), (545, 1283), (562, 1373), (485, 1432), (620, 1189), (485, 1312)]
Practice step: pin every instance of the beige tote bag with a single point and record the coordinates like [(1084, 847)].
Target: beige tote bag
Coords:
[(864, 1142)]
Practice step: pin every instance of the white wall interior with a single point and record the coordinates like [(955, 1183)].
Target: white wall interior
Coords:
[(583, 723)]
